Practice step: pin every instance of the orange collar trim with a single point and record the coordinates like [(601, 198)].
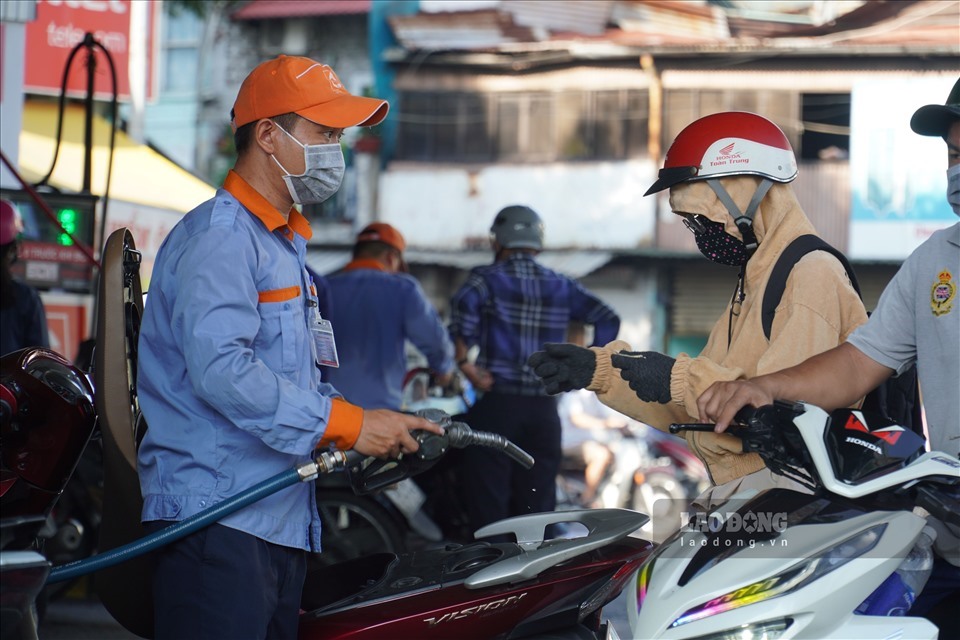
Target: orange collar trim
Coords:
[(365, 263), (263, 210)]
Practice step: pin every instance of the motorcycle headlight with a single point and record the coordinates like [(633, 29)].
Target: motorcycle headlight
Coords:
[(790, 579), (768, 630)]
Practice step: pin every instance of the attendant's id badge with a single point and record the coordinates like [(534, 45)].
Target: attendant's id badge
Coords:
[(322, 332)]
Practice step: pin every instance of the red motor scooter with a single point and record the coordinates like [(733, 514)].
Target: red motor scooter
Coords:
[(46, 419), (536, 587)]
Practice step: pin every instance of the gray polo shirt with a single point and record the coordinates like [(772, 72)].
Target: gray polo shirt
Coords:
[(918, 320)]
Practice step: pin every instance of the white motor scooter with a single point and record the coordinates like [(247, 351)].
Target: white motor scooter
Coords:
[(784, 564)]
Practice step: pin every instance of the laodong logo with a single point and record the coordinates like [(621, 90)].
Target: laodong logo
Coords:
[(734, 522)]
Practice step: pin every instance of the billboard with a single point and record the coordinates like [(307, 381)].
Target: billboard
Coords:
[(62, 24), (898, 178)]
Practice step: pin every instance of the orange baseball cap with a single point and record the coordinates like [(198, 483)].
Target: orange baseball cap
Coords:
[(382, 232), (291, 84)]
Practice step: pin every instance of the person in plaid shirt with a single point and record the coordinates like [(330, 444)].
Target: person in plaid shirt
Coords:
[(509, 310)]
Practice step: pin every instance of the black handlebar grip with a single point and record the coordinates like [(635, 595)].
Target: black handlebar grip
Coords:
[(941, 506)]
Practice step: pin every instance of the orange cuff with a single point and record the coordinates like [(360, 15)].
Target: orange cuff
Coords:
[(343, 425)]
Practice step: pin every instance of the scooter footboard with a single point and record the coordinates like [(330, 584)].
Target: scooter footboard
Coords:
[(329, 584)]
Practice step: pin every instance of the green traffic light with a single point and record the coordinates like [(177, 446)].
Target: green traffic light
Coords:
[(68, 220)]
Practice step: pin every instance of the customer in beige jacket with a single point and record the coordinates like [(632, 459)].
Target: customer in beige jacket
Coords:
[(728, 177)]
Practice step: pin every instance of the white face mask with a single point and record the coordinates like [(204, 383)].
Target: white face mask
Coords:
[(323, 168), (953, 188)]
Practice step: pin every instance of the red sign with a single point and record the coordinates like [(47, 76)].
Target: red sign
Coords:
[(62, 24), (67, 327)]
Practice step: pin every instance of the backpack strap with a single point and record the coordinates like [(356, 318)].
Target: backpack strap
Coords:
[(777, 282)]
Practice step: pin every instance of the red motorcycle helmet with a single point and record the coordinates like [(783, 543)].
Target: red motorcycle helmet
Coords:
[(11, 224), (733, 143)]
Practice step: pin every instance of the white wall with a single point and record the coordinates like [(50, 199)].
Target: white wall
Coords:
[(583, 205), (637, 308)]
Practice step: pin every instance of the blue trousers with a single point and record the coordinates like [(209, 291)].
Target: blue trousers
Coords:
[(222, 583)]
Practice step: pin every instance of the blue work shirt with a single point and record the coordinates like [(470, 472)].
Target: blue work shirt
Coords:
[(227, 379), (512, 307), (373, 313)]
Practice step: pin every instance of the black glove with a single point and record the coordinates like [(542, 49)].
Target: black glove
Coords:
[(563, 367), (648, 373)]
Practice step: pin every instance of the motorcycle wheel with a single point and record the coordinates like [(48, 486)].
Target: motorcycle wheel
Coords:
[(661, 496), (353, 526), (570, 488)]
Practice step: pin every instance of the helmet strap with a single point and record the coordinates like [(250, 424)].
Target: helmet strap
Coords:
[(743, 220)]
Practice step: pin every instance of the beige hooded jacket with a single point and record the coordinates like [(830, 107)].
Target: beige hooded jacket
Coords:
[(818, 310)]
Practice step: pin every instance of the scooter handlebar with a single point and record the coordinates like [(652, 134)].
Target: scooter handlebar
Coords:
[(761, 430), (940, 502), (743, 418)]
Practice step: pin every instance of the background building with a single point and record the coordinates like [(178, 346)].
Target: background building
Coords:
[(565, 106)]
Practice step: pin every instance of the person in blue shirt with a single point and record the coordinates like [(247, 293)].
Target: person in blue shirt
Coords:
[(508, 310), (23, 322), (376, 308), (227, 375)]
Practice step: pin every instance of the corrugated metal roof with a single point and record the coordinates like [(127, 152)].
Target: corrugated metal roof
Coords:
[(274, 9), (669, 27), (913, 24), (670, 21), (460, 30), (588, 17), (538, 25)]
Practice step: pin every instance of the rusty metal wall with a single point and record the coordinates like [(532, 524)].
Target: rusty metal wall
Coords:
[(823, 189)]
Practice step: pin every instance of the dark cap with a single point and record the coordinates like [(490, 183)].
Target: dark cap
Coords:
[(935, 119)]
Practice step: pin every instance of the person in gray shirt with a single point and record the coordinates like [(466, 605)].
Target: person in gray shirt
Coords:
[(916, 320)]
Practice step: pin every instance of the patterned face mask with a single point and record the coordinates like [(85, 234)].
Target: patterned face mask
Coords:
[(716, 244)]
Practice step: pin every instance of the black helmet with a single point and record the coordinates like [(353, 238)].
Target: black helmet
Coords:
[(518, 227)]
